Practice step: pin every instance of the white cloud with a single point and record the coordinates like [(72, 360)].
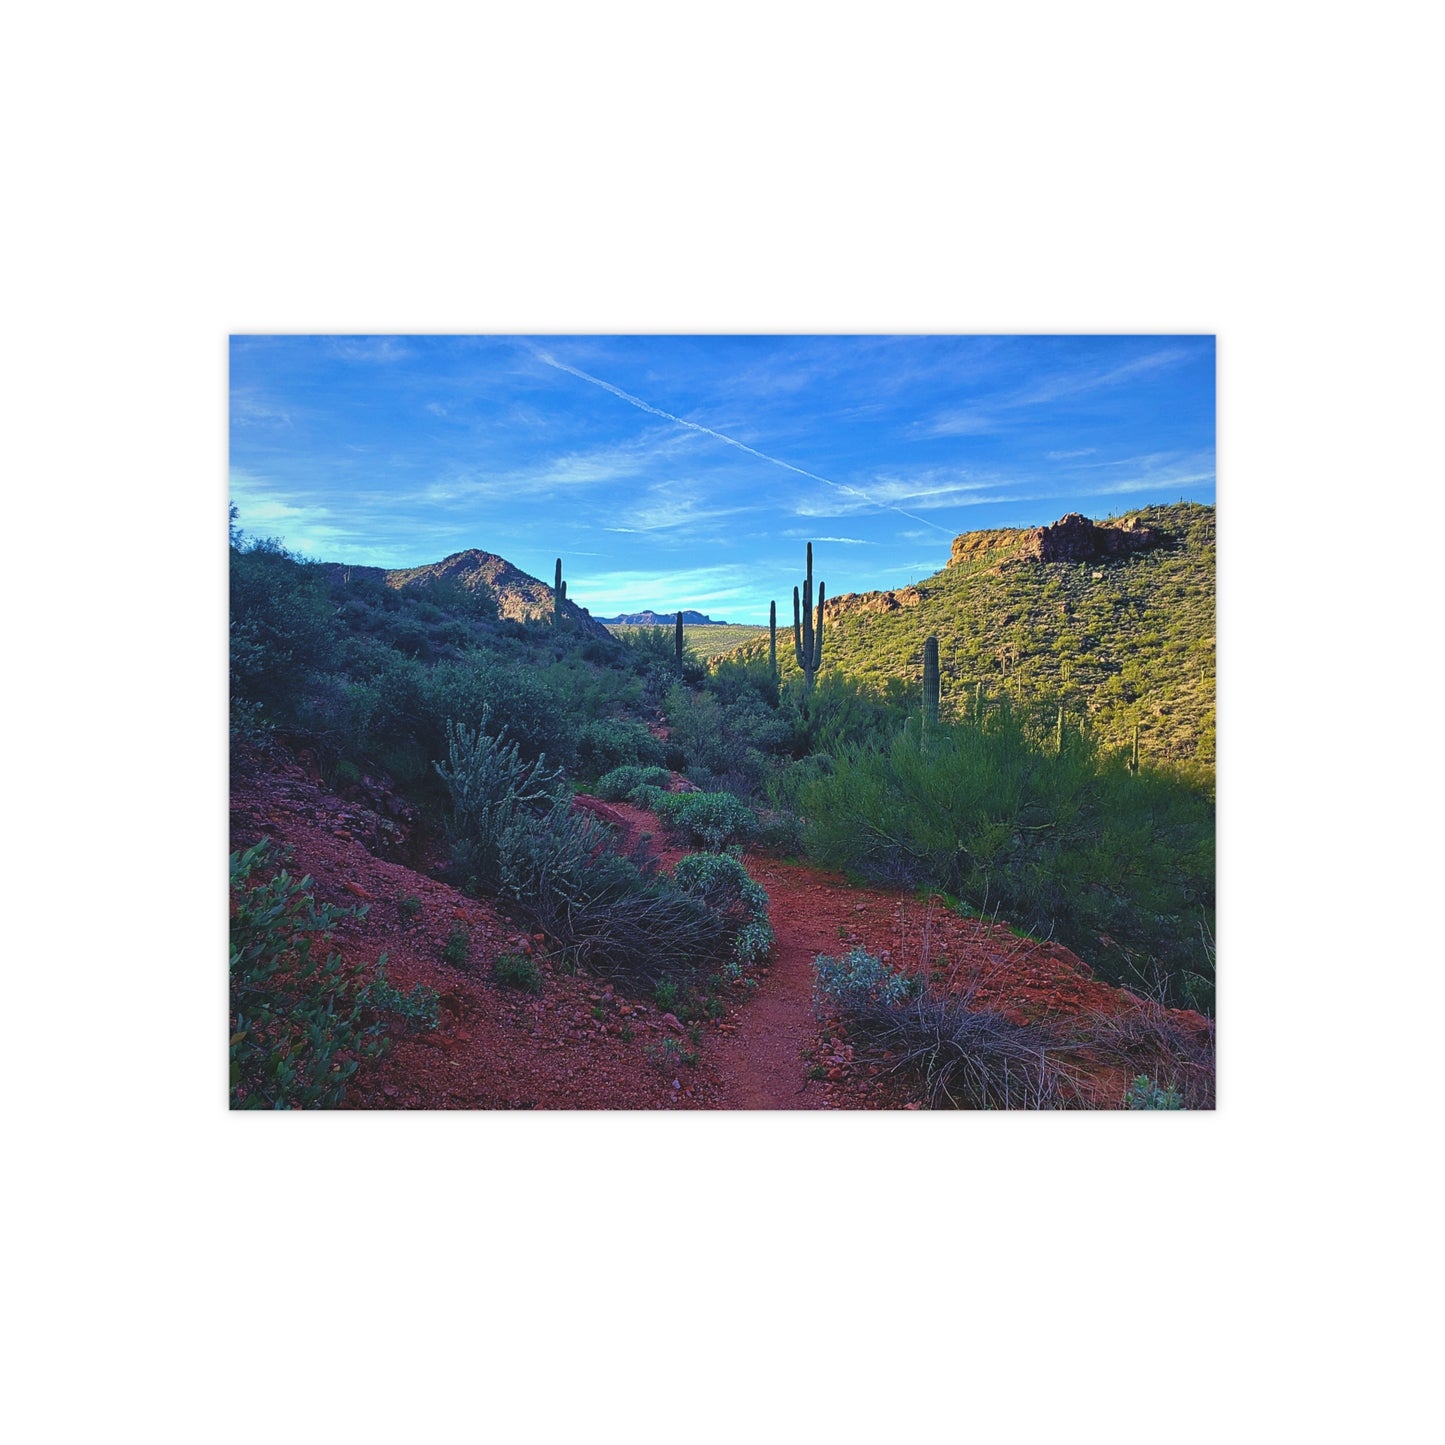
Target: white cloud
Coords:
[(369, 348)]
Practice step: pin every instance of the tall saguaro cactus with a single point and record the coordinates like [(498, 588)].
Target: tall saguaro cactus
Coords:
[(808, 638), (773, 640), (559, 596), (677, 641), (930, 686)]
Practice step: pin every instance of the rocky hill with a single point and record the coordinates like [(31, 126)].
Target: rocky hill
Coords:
[(518, 595), (1115, 619)]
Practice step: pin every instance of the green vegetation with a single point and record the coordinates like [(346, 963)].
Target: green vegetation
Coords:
[(1117, 866), (1066, 785), (964, 1055), (1118, 642), (705, 640), (1143, 1093), (302, 1018), (516, 970), (808, 628)]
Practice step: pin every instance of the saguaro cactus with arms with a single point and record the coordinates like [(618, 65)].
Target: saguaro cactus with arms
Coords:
[(808, 634)]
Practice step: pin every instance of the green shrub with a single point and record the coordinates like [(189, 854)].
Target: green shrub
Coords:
[(711, 820), (857, 979), (416, 1008), (493, 792), (516, 970), (1070, 846), (963, 1055), (619, 784), (458, 949), (721, 882), (1143, 1093), (298, 1024), (606, 744), (780, 833)]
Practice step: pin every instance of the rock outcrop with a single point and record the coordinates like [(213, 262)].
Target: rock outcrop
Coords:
[(855, 602), (1073, 538)]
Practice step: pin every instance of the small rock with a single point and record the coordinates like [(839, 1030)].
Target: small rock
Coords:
[(670, 1021)]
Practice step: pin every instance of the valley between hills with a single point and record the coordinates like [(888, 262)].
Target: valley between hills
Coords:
[(489, 853)]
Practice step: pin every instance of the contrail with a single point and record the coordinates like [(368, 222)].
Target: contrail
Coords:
[(641, 405)]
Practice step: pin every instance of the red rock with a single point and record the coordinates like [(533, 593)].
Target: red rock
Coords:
[(358, 890)]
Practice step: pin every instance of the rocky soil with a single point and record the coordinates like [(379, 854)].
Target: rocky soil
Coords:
[(583, 1044)]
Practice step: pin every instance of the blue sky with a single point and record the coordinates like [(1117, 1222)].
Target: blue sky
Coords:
[(689, 471)]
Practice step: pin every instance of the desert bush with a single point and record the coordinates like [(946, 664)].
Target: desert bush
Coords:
[(780, 832), (279, 626), (1143, 1093), (1070, 845), (545, 859), (417, 1008), (489, 695), (516, 970), (493, 792), (723, 884), (965, 1057), (302, 1020), (639, 930), (621, 783), (606, 744), (709, 820), (726, 744), (1147, 1037)]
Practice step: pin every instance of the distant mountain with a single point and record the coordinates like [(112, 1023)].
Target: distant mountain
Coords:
[(518, 595), (649, 618)]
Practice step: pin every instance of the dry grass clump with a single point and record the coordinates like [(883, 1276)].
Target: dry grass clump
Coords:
[(1152, 1039)]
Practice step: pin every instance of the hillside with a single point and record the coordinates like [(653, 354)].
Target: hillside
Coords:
[(1115, 620), (518, 595), (707, 640)]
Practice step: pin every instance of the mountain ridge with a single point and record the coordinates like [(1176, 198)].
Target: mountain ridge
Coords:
[(519, 596)]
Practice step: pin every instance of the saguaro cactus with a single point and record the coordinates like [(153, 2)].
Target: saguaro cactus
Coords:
[(677, 641), (1061, 731), (1134, 756), (559, 596), (773, 640), (930, 686), (808, 638)]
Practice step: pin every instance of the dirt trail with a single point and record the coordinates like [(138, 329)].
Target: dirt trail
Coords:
[(762, 1064), (581, 1044)]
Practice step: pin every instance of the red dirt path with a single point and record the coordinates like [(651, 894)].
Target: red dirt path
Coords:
[(582, 1044)]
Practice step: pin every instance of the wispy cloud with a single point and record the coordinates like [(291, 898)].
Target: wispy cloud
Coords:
[(991, 413), (630, 590), (369, 348), (250, 409), (550, 477), (641, 405), (668, 507), (1066, 456)]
